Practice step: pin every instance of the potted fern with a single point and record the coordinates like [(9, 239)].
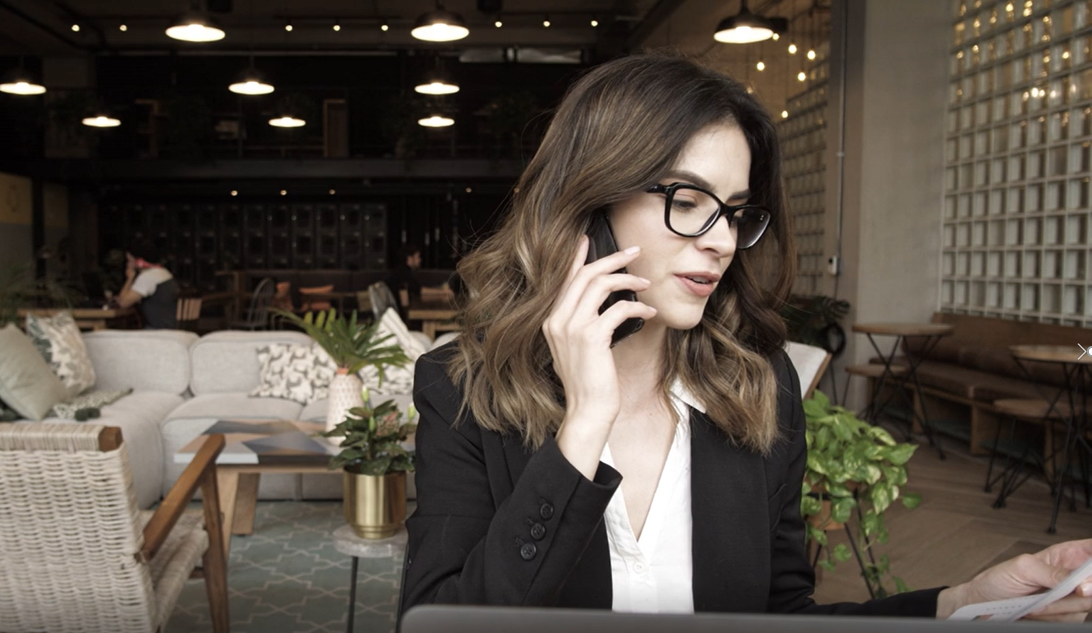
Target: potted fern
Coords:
[(374, 462), (853, 467), (351, 345)]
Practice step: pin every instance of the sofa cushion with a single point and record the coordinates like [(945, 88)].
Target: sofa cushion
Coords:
[(197, 414), (26, 383), (301, 373), (142, 360), (227, 362), (59, 341), (307, 303), (138, 416)]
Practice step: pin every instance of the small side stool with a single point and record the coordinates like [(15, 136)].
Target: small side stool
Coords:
[(347, 542)]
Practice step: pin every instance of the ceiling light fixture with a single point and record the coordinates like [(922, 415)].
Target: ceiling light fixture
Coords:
[(101, 120), (385, 27), (337, 25), (784, 114), (21, 82), (75, 28), (761, 65), (288, 25), (195, 27), (287, 120), (333, 191), (498, 23), (746, 27), (123, 27), (436, 120), (594, 23), (811, 54), (801, 76), (436, 84), (251, 82), (234, 193), (440, 26), (546, 21)]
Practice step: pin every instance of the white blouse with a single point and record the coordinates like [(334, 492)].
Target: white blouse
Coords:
[(655, 574)]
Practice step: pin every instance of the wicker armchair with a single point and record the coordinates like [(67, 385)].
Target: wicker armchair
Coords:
[(75, 552)]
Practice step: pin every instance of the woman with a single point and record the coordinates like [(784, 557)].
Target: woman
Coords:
[(663, 473)]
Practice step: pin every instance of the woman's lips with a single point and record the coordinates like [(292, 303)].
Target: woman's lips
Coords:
[(699, 289)]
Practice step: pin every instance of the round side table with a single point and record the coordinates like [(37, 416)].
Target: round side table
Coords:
[(347, 542)]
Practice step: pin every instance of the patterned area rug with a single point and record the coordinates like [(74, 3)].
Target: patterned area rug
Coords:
[(287, 577)]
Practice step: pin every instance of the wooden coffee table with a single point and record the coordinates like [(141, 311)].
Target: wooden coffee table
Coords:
[(255, 447)]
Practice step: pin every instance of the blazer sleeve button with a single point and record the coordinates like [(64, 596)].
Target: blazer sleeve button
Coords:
[(527, 551), (538, 531), (546, 511)]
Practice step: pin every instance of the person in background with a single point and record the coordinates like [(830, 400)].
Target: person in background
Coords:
[(151, 285), (404, 284)]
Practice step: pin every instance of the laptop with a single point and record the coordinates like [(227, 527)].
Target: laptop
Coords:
[(478, 619)]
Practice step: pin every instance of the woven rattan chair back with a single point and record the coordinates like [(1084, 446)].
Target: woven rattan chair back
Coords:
[(70, 531)]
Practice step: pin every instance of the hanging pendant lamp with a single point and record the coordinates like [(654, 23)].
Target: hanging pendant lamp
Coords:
[(195, 27), (746, 27), (440, 26)]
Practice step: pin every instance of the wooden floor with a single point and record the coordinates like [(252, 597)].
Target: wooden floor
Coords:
[(955, 532)]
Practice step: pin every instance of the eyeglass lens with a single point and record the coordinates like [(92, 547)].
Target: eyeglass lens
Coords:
[(692, 211)]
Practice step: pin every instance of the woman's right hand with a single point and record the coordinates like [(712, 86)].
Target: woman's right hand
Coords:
[(579, 339)]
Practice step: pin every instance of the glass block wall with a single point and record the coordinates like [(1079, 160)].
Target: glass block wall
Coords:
[(803, 143), (1019, 126)]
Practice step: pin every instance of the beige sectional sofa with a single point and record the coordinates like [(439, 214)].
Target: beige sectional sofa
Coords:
[(181, 385)]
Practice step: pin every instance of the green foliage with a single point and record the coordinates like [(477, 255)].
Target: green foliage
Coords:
[(807, 317), (858, 467), (373, 441), (352, 345), (19, 289), (87, 413)]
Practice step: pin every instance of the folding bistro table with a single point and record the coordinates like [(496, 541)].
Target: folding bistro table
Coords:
[(931, 333)]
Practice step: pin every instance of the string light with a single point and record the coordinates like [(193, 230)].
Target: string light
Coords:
[(337, 25), (594, 23), (498, 23), (284, 192), (792, 49), (123, 28), (288, 26), (76, 28), (784, 114), (385, 27), (546, 22), (234, 193), (811, 54), (801, 76), (761, 65)]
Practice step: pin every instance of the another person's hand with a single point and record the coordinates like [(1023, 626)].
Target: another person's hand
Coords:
[(1025, 575), (579, 339)]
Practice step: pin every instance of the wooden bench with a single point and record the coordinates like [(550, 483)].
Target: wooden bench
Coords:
[(971, 369)]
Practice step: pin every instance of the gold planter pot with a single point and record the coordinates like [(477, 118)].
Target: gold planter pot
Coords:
[(375, 505)]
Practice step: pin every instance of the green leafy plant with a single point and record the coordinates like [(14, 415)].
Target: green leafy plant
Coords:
[(373, 440), (20, 289), (809, 319), (857, 468), (351, 344)]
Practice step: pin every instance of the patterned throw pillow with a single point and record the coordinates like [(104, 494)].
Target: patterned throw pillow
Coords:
[(59, 342), (397, 380), (295, 372)]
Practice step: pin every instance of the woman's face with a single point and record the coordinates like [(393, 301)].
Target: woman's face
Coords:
[(685, 271)]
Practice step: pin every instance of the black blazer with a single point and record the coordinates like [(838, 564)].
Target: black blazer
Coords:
[(498, 525)]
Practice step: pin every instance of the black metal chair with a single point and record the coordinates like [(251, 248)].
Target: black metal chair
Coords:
[(257, 312)]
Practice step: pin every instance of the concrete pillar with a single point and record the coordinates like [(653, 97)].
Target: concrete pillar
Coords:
[(886, 224)]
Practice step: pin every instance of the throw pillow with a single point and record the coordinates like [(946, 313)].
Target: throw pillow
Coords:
[(294, 372), (283, 299), (397, 380), (59, 342), (26, 382), (306, 303), (91, 400)]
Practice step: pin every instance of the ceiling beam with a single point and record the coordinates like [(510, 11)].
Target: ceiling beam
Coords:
[(656, 16), (45, 28)]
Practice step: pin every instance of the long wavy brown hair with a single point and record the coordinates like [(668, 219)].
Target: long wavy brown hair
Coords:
[(616, 132)]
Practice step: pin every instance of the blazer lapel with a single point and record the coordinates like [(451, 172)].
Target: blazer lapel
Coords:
[(731, 535)]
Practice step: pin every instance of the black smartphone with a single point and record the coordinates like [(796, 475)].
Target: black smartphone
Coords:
[(601, 243)]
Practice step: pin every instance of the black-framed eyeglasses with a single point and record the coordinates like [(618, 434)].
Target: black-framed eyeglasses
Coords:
[(691, 211)]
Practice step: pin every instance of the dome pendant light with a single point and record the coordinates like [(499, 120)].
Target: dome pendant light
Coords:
[(251, 82), (287, 120), (195, 27), (440, 26), (21, 82), (746, 27), (101, 120), (436, 84), (436, 120)]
